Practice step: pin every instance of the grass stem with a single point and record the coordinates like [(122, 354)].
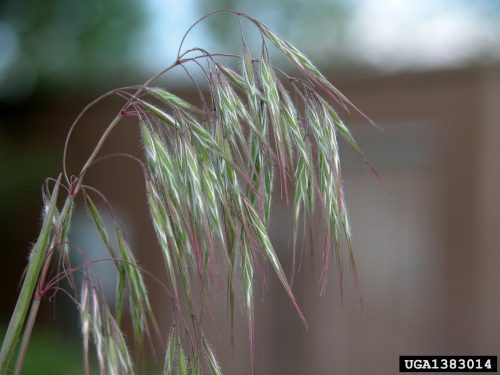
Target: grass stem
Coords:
[(27, 336), (26, 294)]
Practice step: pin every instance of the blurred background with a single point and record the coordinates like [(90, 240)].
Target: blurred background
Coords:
[(426, 235)]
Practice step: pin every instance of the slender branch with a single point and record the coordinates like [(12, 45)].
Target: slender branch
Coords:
[(96, 150)]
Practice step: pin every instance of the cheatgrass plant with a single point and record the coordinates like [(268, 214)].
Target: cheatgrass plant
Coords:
[(210, 173)]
